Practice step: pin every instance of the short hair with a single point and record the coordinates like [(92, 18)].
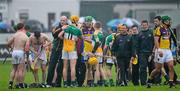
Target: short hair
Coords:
[(144, 21), (98, 24), (134, 26), (37, 34), (158, 17), (19, 26), (27, 27)]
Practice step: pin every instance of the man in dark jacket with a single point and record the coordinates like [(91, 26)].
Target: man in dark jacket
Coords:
[(145, 49), (135, 65), (56, 54), (122, 49)]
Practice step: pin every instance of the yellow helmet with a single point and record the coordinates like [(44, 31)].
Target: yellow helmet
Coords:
[(92, 61), (74, 18), (135, 61), (121, 27)]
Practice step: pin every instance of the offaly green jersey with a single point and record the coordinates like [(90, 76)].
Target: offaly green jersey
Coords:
[(72, 30), (109, 39), (97, 37), (71, 33)]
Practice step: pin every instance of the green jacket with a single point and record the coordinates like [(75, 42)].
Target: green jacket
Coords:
[(145, 41), (122, 46), (135, 43), (57, 42), (109, 39)]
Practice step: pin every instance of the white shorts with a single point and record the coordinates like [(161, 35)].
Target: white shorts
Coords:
[(30, 57), (40, 63), (167, 56), (69, 55), (42, 57), (85, 55), (110, 61), (17, 57)]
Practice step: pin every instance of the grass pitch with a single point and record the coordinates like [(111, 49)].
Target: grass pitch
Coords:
[(6, 68)]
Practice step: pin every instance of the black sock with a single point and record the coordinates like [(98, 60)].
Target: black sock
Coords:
[(149, 80), (52, 84), (21, 85), (10, 82), (99, 82), (73, 83), (110, 80), (65, 82), (92, 82), (88, 82)]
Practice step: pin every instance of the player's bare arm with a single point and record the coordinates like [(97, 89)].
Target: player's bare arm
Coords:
[(10, 41)]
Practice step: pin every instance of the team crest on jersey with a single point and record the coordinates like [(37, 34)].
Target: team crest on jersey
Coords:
[(149, 35), (120, 41), (143, 37)]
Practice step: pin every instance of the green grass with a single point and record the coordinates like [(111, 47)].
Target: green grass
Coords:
[(6, 68)]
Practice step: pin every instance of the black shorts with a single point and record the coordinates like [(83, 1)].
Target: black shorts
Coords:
[(109, 65)]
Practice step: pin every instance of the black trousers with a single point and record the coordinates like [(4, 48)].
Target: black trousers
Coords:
[(123, 65), (54, 59), (80, 71), (143, 64), (135, 74)]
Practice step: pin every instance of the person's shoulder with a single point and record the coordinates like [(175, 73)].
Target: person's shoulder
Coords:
[(140, 33), (20, 33), (76, 28), (14, 35), (69, 27), (157, 31), (117, 35), (151, 30), (101, 32), (129, 36), (44, 35), (32, 36), (110, 35), (159, 28)]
